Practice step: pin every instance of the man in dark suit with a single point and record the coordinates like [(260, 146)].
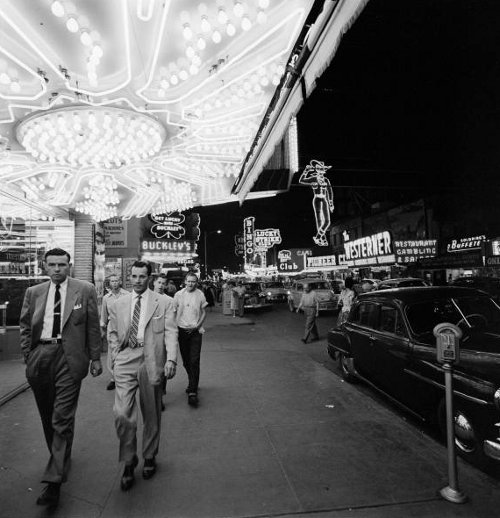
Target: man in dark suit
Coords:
[(60, 337)]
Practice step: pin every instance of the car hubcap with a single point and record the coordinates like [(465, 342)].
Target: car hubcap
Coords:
[(465, 437)]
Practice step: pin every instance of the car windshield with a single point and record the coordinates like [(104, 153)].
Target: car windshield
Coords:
[(268, 285), (319, 285), (475, 312), (253, 286)]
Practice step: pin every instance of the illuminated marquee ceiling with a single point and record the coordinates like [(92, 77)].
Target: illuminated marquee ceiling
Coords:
[(127, 107)]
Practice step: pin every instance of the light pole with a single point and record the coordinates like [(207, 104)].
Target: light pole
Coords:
[(205, 233)]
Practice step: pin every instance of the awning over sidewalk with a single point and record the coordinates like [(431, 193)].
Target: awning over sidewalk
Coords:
[(312, 54)]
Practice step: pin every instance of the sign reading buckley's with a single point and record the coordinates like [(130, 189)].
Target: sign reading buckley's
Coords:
[(370, 250)]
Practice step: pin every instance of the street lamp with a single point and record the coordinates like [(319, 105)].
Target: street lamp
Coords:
[(205, 233)]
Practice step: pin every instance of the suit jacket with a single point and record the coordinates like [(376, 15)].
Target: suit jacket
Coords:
[(160, 332), (81, 337)]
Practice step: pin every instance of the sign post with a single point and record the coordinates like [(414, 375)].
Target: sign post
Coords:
[(448, 353)]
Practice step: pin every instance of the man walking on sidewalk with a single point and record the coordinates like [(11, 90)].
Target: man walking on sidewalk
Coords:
[(143, 337), (115, 293), (309, 303), (59, 328), (190, 304)]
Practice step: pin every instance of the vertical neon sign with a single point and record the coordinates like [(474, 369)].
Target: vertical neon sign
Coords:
[(249, 239)]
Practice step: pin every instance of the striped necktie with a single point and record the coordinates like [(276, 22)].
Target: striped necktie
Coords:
[(56, 323), (132, 339)]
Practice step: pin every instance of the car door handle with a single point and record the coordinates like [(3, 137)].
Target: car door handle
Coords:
[(371, 339)]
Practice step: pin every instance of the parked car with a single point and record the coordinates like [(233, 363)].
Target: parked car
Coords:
[(490, 285), (388, 342), (402, 282), (328, 300), (274, 291)]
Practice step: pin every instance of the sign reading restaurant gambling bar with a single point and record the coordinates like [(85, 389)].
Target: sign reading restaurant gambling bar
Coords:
[(370, 251), (412, 250)]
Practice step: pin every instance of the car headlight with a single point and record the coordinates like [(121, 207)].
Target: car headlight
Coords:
[(496, 398), (269, 293), (288, 292)]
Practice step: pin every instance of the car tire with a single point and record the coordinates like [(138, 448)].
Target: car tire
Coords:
[(468, 436), (347, 375), (291, 307)]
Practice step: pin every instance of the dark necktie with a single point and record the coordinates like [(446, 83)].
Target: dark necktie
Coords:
[(56, 325), (132, 339)]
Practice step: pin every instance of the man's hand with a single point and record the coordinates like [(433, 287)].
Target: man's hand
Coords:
[(95, 368), (170, 369)]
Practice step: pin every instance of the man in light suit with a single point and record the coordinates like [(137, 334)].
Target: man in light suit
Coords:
[(143, 337), (60, 337)]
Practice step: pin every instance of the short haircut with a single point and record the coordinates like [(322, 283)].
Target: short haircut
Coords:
[(191, 274), (349, 282), (143, 264), (56, 251), (161, 276), (115, 275)]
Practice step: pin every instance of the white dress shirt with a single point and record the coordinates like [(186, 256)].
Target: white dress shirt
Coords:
[(145, 297), (48, 318)]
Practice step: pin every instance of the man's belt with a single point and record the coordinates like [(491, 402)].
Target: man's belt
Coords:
[(47, 341)]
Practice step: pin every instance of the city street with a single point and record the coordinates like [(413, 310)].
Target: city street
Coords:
[(277, 433)]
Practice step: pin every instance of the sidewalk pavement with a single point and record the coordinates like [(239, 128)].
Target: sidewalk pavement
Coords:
[(276, 434)]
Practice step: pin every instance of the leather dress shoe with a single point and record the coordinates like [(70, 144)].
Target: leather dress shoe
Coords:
[(193, 399), (127, 480), (110, 385), (149, 468), (50, 495)]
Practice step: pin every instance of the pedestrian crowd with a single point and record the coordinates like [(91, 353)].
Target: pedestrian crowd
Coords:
[(62, 334)]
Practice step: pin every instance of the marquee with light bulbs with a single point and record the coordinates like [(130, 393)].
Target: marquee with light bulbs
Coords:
[(127, 107)]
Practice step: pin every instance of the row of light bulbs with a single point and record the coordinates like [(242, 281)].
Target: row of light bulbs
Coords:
[(101, 198), (9, 77), (88, 38), (195, 44), (84, 138), (176, 196)]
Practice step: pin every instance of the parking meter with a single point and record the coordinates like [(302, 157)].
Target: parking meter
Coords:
[(448, 354), (447, 342)]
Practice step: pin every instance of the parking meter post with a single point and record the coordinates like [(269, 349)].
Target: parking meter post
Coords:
[(451, 492), (448, 353)]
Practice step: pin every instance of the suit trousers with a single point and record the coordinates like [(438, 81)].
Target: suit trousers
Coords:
[(190, 347), (56, 394), (310, 328), (131, 375)]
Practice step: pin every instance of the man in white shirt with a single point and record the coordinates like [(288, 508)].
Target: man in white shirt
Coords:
[(190, 304), (115, 293), (143, 337)]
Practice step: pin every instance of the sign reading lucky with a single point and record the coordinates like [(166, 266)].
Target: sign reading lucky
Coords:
[(168, 225)]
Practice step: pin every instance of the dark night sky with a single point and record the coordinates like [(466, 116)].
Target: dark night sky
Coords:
[(411, 101)]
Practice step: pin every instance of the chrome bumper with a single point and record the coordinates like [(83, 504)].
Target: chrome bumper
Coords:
[(492, 449)]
